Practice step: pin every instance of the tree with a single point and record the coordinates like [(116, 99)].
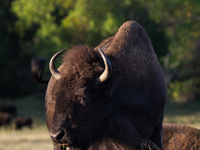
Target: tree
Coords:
[(66, 22), (9, 53), (181, 22), (43, 27)]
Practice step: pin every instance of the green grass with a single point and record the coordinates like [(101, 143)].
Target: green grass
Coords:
[(26, 139), (38, 137), (186, 113)]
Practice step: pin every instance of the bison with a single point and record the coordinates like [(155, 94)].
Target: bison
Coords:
[(23, 121), (180, 137), (5, 119), (11, 109), (114, 93)]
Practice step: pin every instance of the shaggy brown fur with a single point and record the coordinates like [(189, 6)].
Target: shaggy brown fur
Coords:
[(180, 137), (80, 63), (23, 121), (127, 108), (5, 119)]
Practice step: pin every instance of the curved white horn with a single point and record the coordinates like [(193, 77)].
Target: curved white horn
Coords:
[(55, 73), (108, 68)]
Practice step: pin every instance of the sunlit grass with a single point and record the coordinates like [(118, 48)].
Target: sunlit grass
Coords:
[(26, 139)]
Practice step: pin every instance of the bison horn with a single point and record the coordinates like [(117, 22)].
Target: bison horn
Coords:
[(108, 68), (55, 73)]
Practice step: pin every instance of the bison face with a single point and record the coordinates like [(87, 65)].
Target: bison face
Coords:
[(77, 114), (81, 103)]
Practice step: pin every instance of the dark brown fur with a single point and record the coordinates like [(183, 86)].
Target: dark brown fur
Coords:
[(180, 137), (5, 119), (126, 109), (23, 121)]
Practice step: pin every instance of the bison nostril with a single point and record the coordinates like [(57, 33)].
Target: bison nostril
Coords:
[(60, 136)]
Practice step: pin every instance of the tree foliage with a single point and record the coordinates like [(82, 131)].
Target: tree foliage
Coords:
[(64, 22), (42, 27), (180, 19), (11, 58)]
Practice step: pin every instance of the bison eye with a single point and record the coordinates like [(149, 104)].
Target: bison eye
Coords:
[(83, 100)]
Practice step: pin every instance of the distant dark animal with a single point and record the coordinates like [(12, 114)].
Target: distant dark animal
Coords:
[(23, 121), (180, 137), (114, 93), (11, 109), (5, 119)]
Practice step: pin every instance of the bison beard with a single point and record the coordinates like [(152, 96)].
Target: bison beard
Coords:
[(113, 101)]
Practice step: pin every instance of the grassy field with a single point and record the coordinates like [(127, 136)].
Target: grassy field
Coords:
[(187, 113), (38, 137), (26, 139)]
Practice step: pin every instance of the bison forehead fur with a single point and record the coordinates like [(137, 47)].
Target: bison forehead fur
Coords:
[(80, 65), (126, 108)]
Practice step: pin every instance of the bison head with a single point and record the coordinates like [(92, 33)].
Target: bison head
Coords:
[(76, 100)]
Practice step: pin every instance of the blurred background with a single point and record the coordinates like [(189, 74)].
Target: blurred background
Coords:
[(32, 28)]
